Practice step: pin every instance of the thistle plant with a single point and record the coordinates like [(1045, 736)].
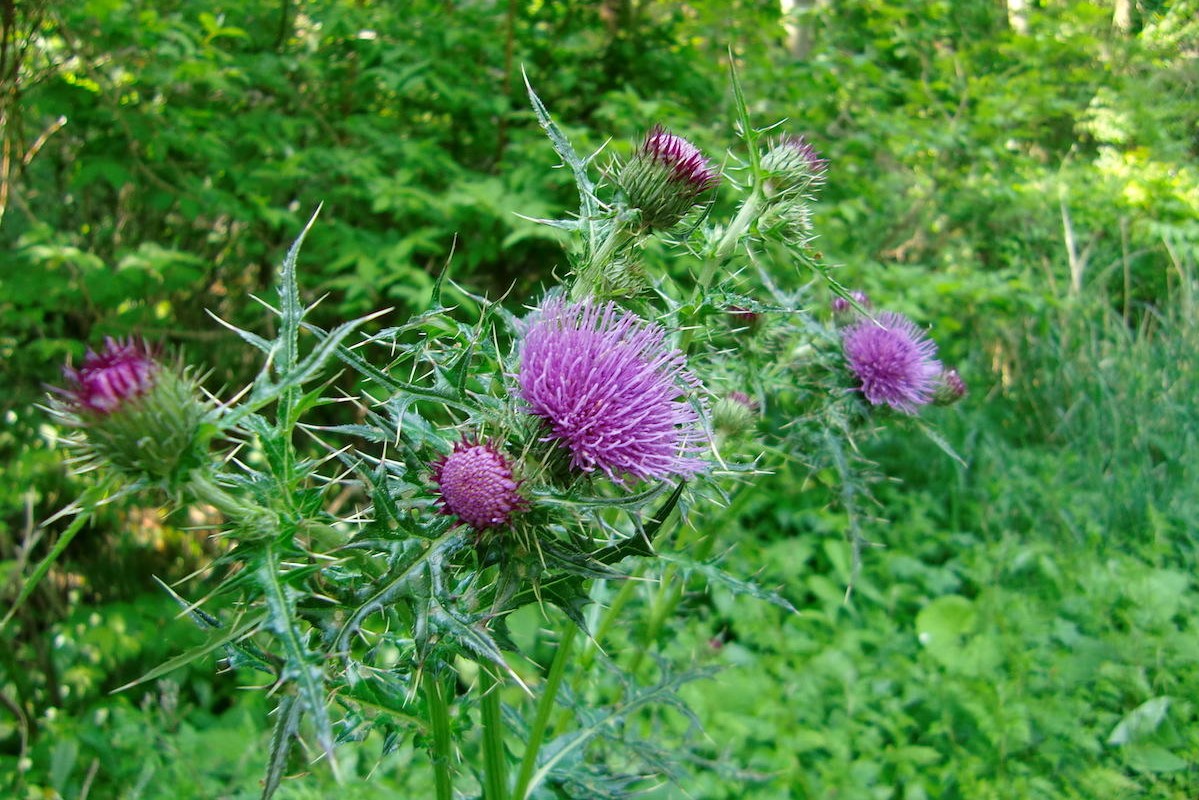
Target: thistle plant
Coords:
[(578, 457)]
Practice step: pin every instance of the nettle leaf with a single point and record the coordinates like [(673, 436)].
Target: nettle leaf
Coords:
[(1140, 723)]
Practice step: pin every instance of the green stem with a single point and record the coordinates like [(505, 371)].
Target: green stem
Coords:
[(439, 721), (628, 586), (545, 706), (724, 248), (87, 505), (495, 758), (248, 516), (591, 277)]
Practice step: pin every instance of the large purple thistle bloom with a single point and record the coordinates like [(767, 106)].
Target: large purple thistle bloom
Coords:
[(894, 360), (611, 391), (121, 372)]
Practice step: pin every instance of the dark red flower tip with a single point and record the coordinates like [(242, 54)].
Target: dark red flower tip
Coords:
[(122, 371), (684, 159)]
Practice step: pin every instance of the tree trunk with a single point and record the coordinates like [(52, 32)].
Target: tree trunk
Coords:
[(1122, 16), (797, 22), (1017, 16)]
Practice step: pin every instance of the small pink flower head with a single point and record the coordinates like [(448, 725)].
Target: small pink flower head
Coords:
[(119, 374), (476, 485), (894, 360), (843, 306), (665, 178), (611, 391), (950, 388), (794, 165)]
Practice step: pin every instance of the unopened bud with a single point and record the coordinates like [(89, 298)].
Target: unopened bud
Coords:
[(665, 178), (842, 306), (137, 416), (793, 166), (950, 388), (734, 413)]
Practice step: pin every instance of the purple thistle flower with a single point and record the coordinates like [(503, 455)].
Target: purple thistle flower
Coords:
[(610, 390), (476, 485), (133, 413), (121, 372), (665, 177), (894, 360)]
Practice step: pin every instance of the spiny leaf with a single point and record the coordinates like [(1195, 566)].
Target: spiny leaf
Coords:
[(300, 666), (563, 746), (239, 630), (290, 310), (714, 574), (85, 505), (440, 548), (578, 166), (287, 727)]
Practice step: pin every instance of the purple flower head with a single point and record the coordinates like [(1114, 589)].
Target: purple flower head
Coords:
[(121, 372), (665, 177), (476, 485), (843, 306), (684, 159), (134, 414), (794, 165), (950, 388), (894, 360), (610, 390)]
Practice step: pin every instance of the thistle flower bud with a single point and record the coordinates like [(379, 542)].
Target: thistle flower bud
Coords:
[(734, 413), (136, 415), (476, 485), (793, 166), (665, 178), (842, 306), (743, 317), (950, 388)]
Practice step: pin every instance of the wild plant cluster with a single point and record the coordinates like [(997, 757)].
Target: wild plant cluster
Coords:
[(562, 457)]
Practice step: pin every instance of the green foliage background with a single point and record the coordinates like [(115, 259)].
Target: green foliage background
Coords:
[(1027, 628)]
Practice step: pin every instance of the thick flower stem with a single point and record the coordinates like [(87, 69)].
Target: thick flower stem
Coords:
[(749, 212), (439, 721), (495, 758), (545, 706), (591, 277)]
